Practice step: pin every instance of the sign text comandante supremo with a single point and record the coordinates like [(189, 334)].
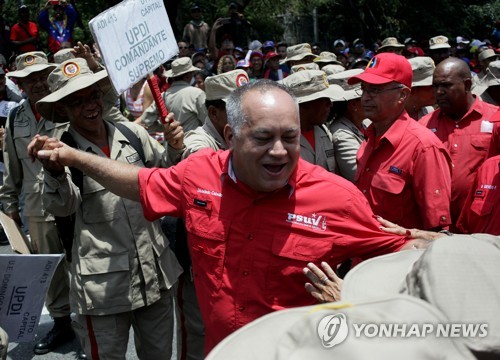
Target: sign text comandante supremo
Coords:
[(141, 43)]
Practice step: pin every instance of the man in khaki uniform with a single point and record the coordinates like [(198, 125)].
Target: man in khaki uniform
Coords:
[(315, 97), (422, 98), (489, 88), (22, 174), (185, 101), (210, 135), (123, 272), (348, 127)]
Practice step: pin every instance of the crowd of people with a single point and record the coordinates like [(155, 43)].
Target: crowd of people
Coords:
[(279, 166)]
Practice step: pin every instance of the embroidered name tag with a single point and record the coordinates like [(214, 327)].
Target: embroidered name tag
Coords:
[(200, 202), (395, 170), (479, 194), (133, 158)]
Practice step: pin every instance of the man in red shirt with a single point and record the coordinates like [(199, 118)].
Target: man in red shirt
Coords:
[(403, 169), (24, 34), (481, 212), (462, 123), (256, 215)]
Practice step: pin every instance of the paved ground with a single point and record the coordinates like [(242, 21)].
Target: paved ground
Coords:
[(24, 351)]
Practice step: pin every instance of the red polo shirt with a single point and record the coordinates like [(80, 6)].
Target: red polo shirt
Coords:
[(248, 248), (467, 140), (481, 212), (21, 32), (405, 175)]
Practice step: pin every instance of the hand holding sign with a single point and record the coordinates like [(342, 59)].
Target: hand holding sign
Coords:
[(135, 37)]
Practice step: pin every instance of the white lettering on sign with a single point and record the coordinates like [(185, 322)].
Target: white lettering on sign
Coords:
[(136, 38)]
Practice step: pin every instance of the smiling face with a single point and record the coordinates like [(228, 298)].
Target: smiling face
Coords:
[(35, 85), (267, 149), (84, 109)]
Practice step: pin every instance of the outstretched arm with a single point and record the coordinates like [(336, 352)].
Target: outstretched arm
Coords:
[(118, 177)]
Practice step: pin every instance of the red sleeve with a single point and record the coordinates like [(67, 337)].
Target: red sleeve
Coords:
[(161, 191), (360, 231), (495, 140), (463, 220), (432, 186)]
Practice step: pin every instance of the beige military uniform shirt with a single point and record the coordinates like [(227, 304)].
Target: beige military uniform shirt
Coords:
[(20, 172), (323, 154), (185, 101), (121, 261), (203, 137), (347, 139)]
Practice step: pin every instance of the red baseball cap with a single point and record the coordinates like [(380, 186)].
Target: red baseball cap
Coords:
[(271, 54), (384, 68)]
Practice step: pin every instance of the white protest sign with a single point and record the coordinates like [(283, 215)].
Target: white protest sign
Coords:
[(24, 280), (135, 37), (6, 107)]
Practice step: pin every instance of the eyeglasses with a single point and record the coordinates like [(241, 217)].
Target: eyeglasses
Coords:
[(79, 101), (373, 91), (183, 47)]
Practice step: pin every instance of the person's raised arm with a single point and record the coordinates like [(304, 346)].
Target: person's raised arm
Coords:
[(118, 177)]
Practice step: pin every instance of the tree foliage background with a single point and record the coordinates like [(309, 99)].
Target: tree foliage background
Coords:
[(292, 20)]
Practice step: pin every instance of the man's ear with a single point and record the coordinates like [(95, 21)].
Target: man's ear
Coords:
[(468, 84), (229, 136), (212, 113), (405, 94)]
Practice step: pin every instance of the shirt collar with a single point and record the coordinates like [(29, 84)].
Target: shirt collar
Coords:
[(395, 133)]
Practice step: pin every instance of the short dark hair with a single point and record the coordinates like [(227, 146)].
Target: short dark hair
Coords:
[(219, 104)]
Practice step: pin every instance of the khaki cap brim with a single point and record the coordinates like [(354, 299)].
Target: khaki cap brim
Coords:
[(333, 92), (30, 70)]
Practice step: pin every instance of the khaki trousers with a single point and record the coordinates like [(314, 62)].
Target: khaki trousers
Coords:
[(106, 337), (45, 240)]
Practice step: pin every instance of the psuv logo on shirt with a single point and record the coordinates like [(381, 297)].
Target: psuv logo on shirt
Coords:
[(315, 222)]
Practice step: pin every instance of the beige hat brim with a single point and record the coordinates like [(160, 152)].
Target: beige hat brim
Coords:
[(333, 92), (380, 276), (351, 95), (46, 105), (170, 74), (299, 57), (28, 70), (423, 82), (439, 46), (293, 334), (327, 61), (397, 46)]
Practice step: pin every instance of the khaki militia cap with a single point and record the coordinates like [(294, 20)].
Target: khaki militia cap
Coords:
[(309, 85), (219, 87)]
